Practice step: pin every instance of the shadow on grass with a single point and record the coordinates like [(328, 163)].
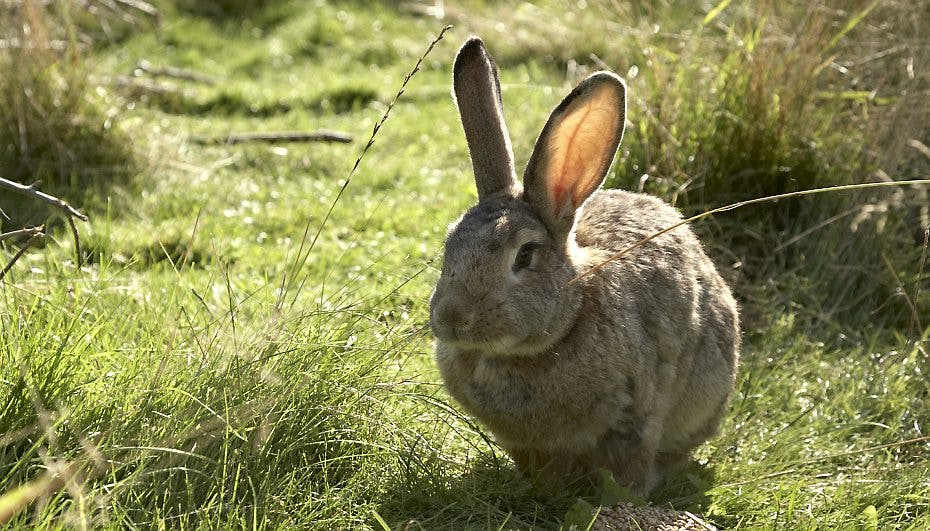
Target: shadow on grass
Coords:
[(492, 494), (686, 489), (234, 102), (262, 13), (489, 494)]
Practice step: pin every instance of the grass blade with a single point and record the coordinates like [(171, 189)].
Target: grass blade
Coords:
[(715, 12), (852, 23)]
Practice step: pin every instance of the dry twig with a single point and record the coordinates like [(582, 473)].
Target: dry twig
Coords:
[(69, 212), (28, 232), (174, 72), (140, 86), (32, 191), (281, 136), (303, 252)]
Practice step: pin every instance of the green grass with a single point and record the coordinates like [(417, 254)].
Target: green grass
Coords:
[(206, 368)]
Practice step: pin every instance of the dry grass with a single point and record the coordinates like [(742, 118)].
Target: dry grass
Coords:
[(55, 124)]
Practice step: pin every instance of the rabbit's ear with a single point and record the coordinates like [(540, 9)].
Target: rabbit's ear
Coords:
[(478, 96), (575, 149)]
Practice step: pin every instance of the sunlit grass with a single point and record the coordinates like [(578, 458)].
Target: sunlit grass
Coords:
[(197, 373)]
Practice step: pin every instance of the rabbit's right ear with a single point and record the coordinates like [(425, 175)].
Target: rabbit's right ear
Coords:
[(478, 97), (575, 149)]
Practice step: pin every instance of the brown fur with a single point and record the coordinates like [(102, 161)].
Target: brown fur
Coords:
[(626, 366)]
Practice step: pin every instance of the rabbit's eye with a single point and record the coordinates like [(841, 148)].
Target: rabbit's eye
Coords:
[(524, 257)]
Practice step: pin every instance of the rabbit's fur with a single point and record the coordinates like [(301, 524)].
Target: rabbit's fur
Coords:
[(627, 368)]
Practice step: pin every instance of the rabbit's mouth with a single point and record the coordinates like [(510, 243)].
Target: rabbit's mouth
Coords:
[(504, 345), (465, 339)]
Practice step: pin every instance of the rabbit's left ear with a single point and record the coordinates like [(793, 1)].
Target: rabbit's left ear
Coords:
[(575, 149), (477, 89)]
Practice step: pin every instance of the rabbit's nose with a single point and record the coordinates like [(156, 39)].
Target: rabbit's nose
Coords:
[(449, 314)]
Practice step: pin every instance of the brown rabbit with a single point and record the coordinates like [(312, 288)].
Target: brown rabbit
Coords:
[(627, 368)]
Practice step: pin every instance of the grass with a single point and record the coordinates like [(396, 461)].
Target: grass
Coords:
[(55, 124), (200, 371)]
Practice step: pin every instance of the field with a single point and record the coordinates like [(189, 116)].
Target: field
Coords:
[(245, 341)]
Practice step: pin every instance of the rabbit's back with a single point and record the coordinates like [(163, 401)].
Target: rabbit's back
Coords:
[(613, 220), (680, 299)]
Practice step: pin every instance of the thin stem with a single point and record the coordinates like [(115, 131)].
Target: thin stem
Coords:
[(740, 204)]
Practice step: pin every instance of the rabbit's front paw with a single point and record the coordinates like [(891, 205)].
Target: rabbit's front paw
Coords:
[(546, 467)]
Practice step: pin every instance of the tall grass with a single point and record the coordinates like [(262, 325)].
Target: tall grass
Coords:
[(234, 418), (242, 416), (777, 112), (54, 124)]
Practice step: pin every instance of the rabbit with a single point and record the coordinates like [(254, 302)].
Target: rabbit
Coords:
[(626, 368)]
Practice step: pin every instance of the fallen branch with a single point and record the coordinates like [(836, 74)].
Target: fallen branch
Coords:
[(69, 211), (174, 72), (56, 45), (282, 136), (140, 85), (32, 191), (28, 232)]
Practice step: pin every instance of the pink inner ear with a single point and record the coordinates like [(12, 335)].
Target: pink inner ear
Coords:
[(557, 193), (563, 167), (578, 149)]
